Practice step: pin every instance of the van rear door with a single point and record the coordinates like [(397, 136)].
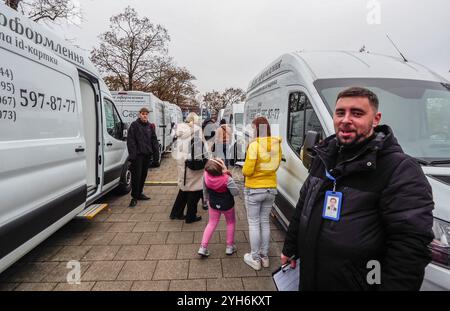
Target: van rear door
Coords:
[(42, 147)]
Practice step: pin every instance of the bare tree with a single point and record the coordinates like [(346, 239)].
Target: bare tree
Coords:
[(174, 84), (46, 10), (132, 50), (215, 100), (233, 95)]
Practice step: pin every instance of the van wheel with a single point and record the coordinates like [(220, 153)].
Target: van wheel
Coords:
[(157, 158), (124, 186)]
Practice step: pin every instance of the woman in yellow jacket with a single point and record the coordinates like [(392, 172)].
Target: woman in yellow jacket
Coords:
[(261, 163)]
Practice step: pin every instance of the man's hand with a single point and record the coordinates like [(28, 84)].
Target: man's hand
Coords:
[(286, 259)]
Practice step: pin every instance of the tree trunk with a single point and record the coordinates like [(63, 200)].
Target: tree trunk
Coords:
[(14, 4)]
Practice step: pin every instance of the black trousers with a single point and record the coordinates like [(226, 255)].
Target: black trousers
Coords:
[(139, 170), (189, 198)]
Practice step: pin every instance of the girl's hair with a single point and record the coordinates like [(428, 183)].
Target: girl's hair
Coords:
[(214, 167), (262, 127), (223, 121)]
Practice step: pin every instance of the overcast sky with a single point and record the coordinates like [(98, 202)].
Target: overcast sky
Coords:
[(226, 43)]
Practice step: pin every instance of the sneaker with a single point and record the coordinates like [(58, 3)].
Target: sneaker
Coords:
[(230, 250), (255, 264), (203, 251), (265, 262)]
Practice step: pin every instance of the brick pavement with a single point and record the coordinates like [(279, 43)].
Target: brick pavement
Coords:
[(141, 249)]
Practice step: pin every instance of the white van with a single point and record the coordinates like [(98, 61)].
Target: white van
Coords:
[(62, 143), (176, 115), (220, 115), (234, 115), (130, 102), (297, 93)]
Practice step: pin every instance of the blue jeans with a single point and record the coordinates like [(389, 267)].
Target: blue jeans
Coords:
[(258, 203)]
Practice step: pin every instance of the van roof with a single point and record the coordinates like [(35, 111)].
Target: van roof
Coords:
[(43, 37), (346, 64)]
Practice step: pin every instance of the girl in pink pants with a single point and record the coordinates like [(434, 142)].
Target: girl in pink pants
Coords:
[(219, 190)]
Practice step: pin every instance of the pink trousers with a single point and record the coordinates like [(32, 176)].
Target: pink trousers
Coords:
[(214, 217)]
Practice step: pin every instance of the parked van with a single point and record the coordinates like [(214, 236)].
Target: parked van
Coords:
[(176, 116), (130, 102), (234, 115), (62, 141), (220, 115), (297, 93)]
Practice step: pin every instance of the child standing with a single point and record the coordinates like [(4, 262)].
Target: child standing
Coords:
[(219, 189)]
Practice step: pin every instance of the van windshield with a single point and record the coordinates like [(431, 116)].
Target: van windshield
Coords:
[(417, 111)]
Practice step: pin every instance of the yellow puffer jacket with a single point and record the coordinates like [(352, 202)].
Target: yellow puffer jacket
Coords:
[(261, 163)]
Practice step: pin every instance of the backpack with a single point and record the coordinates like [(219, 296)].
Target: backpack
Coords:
[(197, 159)]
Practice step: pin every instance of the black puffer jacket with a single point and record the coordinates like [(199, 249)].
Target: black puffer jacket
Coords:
[(141, 139), (386, 215)]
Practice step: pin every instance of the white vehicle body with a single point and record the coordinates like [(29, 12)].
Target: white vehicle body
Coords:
[(234, 115), (62, 141), (176, 115), (220, 115), (130, 102), (304, 86)]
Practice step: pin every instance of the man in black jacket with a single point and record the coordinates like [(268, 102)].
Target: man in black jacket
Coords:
[(142, 143), (384, 207)]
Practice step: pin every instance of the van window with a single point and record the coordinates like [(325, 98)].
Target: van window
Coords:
[(113, 123), (301, 119), (417, 111)]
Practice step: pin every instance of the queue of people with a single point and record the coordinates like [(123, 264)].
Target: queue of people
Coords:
[(363, 200)]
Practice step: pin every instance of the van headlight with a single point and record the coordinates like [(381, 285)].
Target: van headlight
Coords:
[(440, 247)]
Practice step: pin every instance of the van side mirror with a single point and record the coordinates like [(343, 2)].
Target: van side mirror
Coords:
[(124, 130), (306, 154)]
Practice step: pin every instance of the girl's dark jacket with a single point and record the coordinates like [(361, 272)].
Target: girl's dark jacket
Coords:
[(386, 216)]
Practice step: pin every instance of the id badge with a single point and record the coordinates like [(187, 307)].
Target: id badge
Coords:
[(332, 205)]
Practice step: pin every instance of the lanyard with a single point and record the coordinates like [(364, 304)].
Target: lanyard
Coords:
[(330, 177)]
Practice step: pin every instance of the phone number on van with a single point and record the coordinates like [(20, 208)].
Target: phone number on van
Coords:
[(40, 101), (8, 115)]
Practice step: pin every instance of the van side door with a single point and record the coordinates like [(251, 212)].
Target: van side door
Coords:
[(114, 144), (299, 119)]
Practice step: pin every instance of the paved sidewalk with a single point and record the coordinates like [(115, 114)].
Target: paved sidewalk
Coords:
[(142, 249)]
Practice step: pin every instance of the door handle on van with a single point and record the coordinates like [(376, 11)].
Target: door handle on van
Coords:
[(283, 159), (109, 144), (79, 149)]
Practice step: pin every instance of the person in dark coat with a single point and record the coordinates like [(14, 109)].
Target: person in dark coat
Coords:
[(386, 207), (142, 143)]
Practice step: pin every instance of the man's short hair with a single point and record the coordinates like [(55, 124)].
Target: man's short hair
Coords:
[(356, 91), (143, 109)]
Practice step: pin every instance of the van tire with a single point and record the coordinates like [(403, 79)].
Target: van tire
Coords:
[(124, 186), (156, 162)]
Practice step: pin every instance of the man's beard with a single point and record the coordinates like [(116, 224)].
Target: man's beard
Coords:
[(359, 138)]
